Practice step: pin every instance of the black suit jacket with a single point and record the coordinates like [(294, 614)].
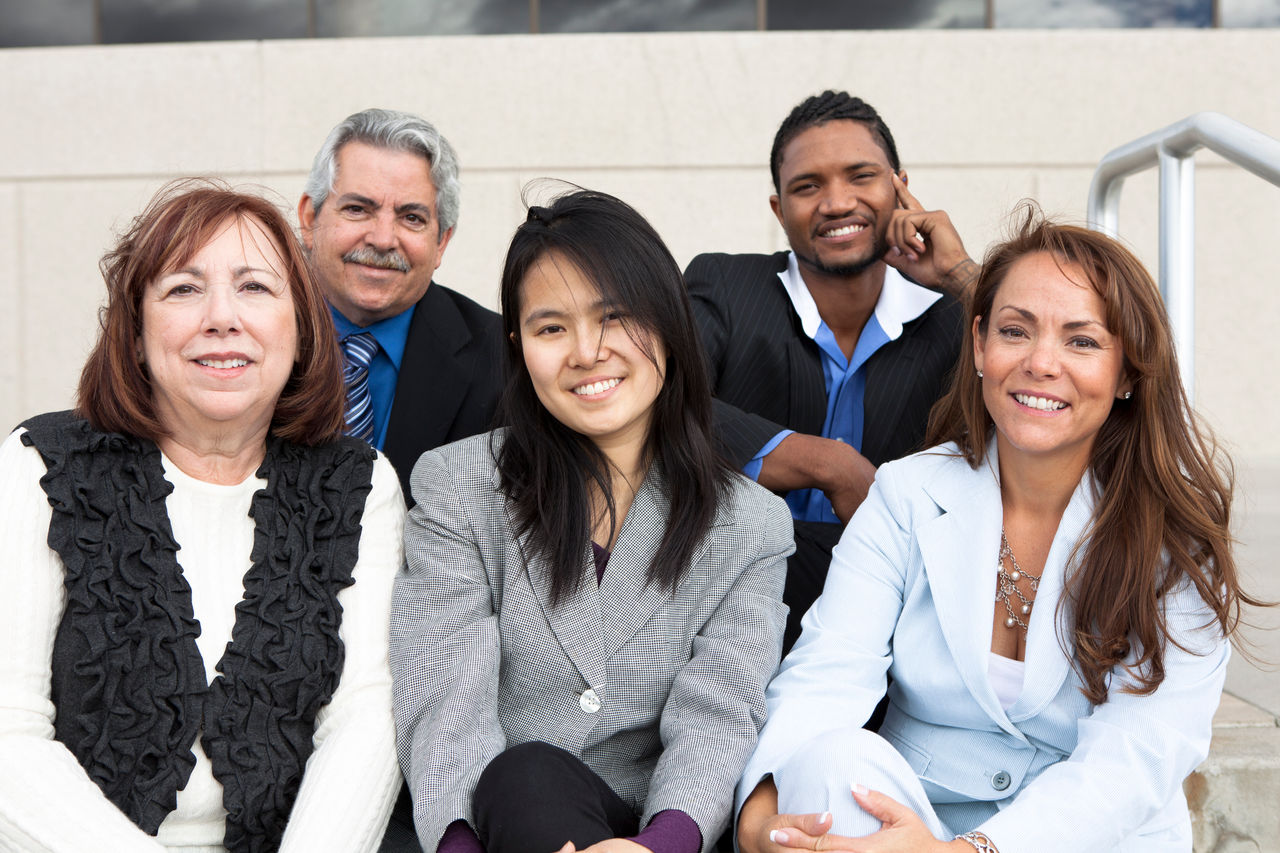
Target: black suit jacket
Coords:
[(450, 378), (766, 373)]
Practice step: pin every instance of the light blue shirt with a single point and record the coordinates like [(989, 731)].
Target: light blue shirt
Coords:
[(391, 335), (899, 303)]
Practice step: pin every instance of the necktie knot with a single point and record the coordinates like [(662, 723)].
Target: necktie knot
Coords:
[(359, 349)]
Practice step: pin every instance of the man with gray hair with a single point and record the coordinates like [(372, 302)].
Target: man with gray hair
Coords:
[(421, 360)]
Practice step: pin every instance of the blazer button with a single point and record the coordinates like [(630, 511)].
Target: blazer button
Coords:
[(590, 703), (1000, 781)]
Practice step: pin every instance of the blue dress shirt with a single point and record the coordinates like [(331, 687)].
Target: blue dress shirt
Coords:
[(900, 302), (391, 335)]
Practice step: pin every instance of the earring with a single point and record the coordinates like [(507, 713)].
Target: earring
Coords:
[(979, 374), (1128, 394)]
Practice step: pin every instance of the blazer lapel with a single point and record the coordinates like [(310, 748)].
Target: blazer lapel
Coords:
[(889, 384), (807, 404), (629, 600), (431, 385), (959, 549), (1047, 665), (575, 621)]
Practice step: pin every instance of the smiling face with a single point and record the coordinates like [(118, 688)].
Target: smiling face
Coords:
[(836, 197), (586, 369), (375, 242), (1051, 370), (220, 336)]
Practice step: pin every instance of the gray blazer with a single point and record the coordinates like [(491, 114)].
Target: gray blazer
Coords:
[(660, 694)]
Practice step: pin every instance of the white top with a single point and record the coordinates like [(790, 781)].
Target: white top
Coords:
[(1006, 676), (48, 803)]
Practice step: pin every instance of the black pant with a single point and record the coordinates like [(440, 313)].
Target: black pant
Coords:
[(401, 837), (534, 797)]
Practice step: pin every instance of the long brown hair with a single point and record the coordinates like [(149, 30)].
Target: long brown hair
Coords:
[(1163, 502), (115, 392)]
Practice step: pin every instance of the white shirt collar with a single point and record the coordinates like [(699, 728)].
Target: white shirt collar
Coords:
[(900, 301)]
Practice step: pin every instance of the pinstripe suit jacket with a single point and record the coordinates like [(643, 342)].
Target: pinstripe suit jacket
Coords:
[(481, 660), (910, 594), (766, 373)]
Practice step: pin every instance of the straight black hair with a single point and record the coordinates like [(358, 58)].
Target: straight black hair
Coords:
[(544, 467)]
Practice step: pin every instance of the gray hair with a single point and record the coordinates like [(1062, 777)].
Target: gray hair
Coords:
[(396, 131)]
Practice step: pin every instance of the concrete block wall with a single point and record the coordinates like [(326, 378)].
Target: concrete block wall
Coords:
[(678, 124)]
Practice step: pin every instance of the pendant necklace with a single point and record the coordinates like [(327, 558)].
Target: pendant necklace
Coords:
[(1007, 587)]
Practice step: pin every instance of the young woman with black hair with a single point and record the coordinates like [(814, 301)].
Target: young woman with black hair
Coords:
[(592, 603)]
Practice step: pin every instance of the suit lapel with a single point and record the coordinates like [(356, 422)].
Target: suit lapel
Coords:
[(1047, 667), (629, 600), (959, 550), (889, 384), (576, 620), (807, 388), (432, 384)]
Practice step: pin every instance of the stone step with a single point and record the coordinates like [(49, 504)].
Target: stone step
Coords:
[(1235, 794)]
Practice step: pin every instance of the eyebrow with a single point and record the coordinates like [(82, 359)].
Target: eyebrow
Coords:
[(1031, 317), (407, 207), (198, 272), (849, 167), (556, 313)]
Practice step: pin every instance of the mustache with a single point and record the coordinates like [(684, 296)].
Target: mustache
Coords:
[(371, 257)]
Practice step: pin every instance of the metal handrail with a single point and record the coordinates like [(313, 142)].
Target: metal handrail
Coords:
[(1173, 149)]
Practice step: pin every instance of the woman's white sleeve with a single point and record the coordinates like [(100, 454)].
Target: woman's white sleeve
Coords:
[(351, 780), (47, 801)]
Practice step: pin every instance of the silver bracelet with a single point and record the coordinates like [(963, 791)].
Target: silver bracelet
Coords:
[(978, 841)]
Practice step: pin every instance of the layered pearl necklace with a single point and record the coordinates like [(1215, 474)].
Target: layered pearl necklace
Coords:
[(1007, 586)]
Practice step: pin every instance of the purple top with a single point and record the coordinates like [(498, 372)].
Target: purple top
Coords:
[(602, 560), (670, 831)]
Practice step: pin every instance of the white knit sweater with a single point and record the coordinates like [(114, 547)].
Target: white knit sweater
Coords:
[(48, 803)]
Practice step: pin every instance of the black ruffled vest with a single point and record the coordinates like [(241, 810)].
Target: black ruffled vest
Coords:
[(128, 681)]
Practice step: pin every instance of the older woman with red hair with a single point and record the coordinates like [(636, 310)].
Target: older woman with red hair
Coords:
[(198, 565)]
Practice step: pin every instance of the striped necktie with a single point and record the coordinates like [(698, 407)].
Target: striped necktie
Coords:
[(358, 350)]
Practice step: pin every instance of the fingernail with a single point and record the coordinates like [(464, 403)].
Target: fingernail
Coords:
[(777, 836), (822, 818), (860, 790)]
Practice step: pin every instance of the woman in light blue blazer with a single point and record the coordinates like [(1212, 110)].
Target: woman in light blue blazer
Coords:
[(591, 607), (1050, 591)]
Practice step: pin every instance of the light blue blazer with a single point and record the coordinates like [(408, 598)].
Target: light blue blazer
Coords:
[(910, 594)]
